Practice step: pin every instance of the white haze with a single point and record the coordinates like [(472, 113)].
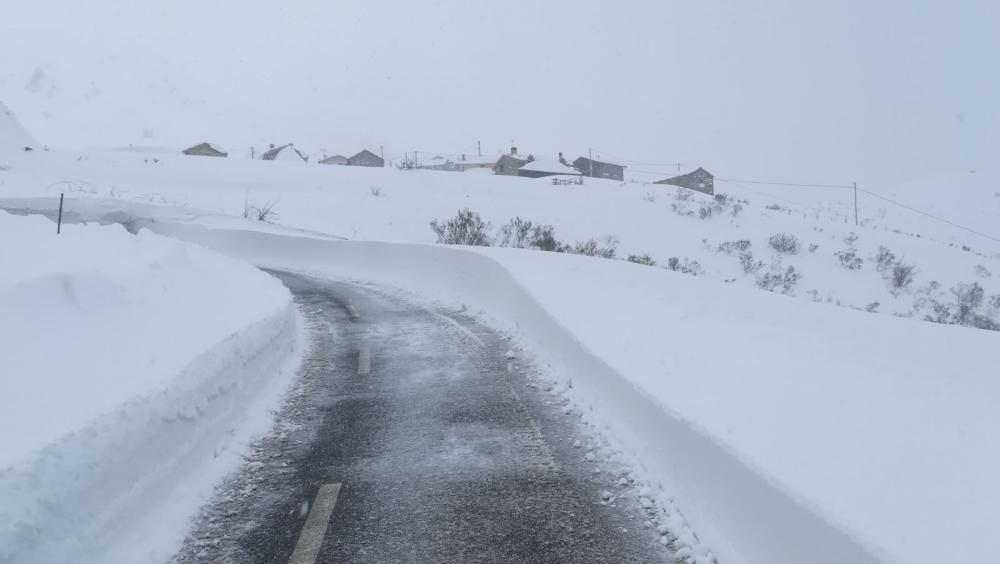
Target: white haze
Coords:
[(852, 90)]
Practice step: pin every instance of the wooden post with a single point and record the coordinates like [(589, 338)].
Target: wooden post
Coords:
[(59, 221), (855, 203)]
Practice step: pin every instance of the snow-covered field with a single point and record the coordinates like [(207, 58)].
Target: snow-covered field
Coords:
[(786, 428), (135, 367)]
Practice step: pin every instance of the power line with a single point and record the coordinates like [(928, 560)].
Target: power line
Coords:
[(792, 184), (930, 215)]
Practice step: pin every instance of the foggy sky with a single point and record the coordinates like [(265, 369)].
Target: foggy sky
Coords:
[(850, 90)]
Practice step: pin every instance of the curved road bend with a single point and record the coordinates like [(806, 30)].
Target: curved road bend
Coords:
[(442, 450)]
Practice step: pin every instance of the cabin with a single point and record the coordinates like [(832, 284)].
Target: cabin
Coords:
[(366, 158), (284, 153), (540, 168), (600, 169), (508, 164), (699, 180), (334, 160), (206, 150), (476, 162)]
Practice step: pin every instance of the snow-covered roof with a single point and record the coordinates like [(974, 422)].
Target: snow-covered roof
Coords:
[(477, 159), (555, 167), (13, 136)]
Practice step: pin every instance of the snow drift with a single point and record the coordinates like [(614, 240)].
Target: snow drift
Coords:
[(135, 367)]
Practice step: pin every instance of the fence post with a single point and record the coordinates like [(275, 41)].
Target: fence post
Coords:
[(59, 222)]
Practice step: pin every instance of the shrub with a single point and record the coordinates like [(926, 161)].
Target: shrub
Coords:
[(983, 272), (872, 307), (729, 247), (466, 228), (592, 248), (375, 191), (813, 247), (688, 266), (650, 197), (263, 213), (849, 258), (683, 195), (784, 243), (902, 276), (750, 266), (774, 207), (642, 259), (516, 233), (884, 259), (786, 280)]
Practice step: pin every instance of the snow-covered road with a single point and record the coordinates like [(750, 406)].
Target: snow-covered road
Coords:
[(445, 449)]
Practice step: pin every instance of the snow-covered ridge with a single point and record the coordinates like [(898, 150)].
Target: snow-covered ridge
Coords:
[(786, 432), (135, 369)]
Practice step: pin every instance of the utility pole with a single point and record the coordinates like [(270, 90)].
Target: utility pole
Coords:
[(59, 224), (381, 153), (590, 157), (479, 147), (855, 203)]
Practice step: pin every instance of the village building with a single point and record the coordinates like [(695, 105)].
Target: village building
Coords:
[(539, 168), (206, 150), (476, 162), (599, 169), (699, 180), (509, 163), (284, 153), (366, 158), (334, 160)]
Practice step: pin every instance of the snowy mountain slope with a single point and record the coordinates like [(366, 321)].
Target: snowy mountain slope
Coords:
[(13, 136), (135, 369), (835, 262)]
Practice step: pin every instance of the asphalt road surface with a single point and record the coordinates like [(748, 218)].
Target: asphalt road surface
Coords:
[(413, 436)]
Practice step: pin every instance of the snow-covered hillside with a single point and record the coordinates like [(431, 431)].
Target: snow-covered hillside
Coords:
[(134, 370), (13, 136), (895, 262), (832, 421)]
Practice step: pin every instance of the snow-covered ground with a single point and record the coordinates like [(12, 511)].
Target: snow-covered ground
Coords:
[(135, 367), (787, 429)]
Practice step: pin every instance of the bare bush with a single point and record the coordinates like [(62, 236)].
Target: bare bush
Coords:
[(687, 266), (466, 228), (774, 207), (813, 247), (750, 266), (730, 247), (650, 197), (683, 195), (523, 234), (786, 281), (784, 243), (884, 259), (375, 191), (872, 307), (902, 276), (592, 248), (642, 259), (263, 213), (983, 272), (849, 258)]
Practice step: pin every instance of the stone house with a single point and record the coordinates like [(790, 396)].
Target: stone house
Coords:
[(334, 160), (699, 180), (509, 163), (206, 150), (284, 153), (601, 169), (366, 158)]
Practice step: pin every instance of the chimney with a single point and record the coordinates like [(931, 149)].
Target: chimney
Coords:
[(272, 145), (562, 159), (513, 151), (463, 156)]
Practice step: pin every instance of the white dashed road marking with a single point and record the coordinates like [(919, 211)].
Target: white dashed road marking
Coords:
[(364, 360), (313, 532)]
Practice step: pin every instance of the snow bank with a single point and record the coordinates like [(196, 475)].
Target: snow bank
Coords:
[(134, 369), (788, 432)]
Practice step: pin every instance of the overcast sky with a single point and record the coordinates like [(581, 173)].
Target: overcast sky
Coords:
[(850, 90)]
